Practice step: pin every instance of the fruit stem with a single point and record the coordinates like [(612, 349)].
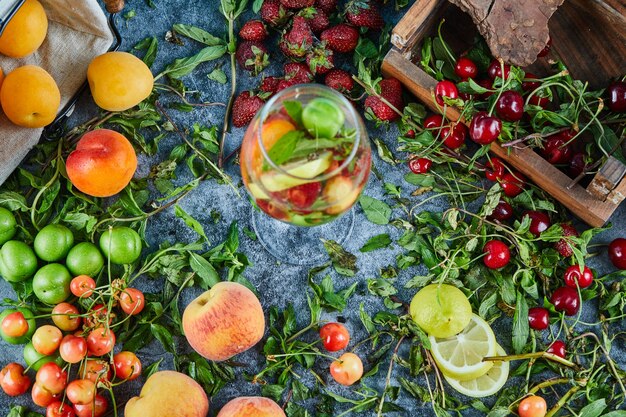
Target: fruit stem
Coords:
[(33, 208), (554, 410), (394, 357), (552, 382), (544, 355), (233, 89)]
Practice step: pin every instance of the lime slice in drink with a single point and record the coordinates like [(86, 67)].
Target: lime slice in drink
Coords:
[(461, 356), (485, 385), (305, 171), (441, 310)]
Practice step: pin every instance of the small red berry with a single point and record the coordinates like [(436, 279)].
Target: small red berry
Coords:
[(498, 254), (539, 222), (420, 165), (538, 318), (557, 348), (617, 253), (513, 183), (573, 276), (465, 68), (617, 97), (447, 89), (495, 70), (566, 299), (502, 212)]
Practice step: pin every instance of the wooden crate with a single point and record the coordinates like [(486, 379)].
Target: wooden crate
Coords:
[(580, 39)]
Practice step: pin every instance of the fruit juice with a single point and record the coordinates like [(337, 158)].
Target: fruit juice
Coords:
[(305, 158)]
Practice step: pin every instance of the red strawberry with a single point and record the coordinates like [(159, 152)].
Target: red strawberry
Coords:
[(328, 6), (245, 107), (316, 18), (364, 14), (320, 59), (341, 38), (339, 80), (297, 41), (273, 13), (282, 84), (297, 72), (390, 90), (269, 84), (563, 246), (303, 196), (252, 56), (253, 30), (297, 4)]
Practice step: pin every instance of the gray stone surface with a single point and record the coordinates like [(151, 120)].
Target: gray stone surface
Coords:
[(277, 284)]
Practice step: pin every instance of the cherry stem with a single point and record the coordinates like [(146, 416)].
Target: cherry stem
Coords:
[(533, 136), (394, 357)]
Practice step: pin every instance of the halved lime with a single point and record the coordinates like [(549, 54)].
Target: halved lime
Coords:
[(441, 310)]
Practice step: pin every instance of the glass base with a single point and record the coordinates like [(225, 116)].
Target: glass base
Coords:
[(297, 245)]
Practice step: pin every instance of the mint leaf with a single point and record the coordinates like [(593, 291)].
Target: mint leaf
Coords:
[(343, 261), (218, 75), (376, 242), (294, 110), (376, 211), (197, 34), (203, 269), (283, 149)]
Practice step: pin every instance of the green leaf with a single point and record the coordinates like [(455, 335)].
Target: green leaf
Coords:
[(197, 34), (150, 45), (594, 409), (151, 369), (376, 211), (617, 413), (13, 201), (183, 66), (376, 242), (164, 336), (204, 269), (343, 261), (218, 75), (283, 149), (366, 320), (294, 110), (384, 153), (521, 329), (256, 6), (20, 411), (190, 221)]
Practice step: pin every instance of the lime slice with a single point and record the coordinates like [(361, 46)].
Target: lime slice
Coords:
[(441, 310), (305, 171), (257, 192), (485, 385), (461, 356)]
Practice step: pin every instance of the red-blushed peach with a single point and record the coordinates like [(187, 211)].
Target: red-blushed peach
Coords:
[(251, 407), (169, 394), (103, 163), (224, 321)]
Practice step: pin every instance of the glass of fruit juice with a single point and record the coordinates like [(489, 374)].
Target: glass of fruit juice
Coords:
[(305, 159)]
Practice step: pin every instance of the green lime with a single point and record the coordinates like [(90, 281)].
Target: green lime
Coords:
[(51, 284), (32, 325), (17, 261), (8, 225), (121, 244), (53, 242), (84, 259), (36, 360), (441, 310), (323, 118)]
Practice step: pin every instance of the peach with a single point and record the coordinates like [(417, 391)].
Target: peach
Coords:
[(119, 81), (26, 31), (251, 407), (103, 163), (30, 97), (169, 394), (224, 321)]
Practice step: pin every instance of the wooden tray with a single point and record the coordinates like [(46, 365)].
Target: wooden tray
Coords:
[(580, 40)]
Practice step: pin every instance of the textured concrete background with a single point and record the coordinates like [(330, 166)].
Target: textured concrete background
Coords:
[(277, 284)]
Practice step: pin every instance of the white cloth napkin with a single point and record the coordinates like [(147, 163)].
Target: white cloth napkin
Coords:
[(77, 32)]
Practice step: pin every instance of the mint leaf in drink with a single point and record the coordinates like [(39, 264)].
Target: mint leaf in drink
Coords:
[(294, 110), (376, 242), (282, 150), (376, 211)]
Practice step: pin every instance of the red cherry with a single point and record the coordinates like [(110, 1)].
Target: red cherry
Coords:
[(454, 137), (495, 70), (566, 299), (617, 96), (334, 336), (465, 68), (528, 85), (556, 150), (578, 164), (513, 183), (303, 196), (573, 275), (563, 246), (617, 253), (485, 129), (445, 88), (557, 348), (546, 49), (498, 254), (420, 165), (537, 100), (433, 121), (59, 409), (538, 318), (510, 106), (488, 84), (410, 134), (502, 212), (494, 169), (539, 222)]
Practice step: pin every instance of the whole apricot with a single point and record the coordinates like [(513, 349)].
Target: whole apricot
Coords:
[(251, 406), (30, 97), (26, 31), (119, 81), (103, 163), (1, 77)]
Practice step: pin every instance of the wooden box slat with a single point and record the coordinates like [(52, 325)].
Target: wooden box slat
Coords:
[(420, 21)]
